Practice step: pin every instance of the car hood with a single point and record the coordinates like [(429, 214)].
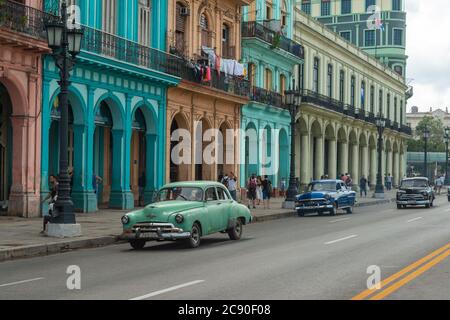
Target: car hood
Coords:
[(314, 195), (161, 211)]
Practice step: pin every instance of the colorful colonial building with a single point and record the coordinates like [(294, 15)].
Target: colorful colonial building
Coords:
[(117, 105), (343, 90), (206, 35), (22, 43), (271, 57)]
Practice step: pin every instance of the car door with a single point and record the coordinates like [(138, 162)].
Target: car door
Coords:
[(213, 210), (226, 203), (342, 195)]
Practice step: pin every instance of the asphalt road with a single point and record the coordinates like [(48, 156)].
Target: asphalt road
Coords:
[(296, 258)]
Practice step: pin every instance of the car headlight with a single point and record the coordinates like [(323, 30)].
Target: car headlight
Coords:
[(327, 197), (424, 193), (125, 219), (179, 218)]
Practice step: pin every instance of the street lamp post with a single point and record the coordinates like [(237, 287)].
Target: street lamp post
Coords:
[(65, 43), (292, 102), (426, 136), (379, 189), (447, 140)]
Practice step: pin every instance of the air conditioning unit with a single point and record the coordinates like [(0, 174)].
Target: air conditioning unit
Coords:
[(184, 11)]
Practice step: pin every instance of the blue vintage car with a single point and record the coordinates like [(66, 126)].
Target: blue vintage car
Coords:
[(325, 196)]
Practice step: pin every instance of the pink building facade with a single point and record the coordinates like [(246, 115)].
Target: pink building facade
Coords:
[(22, 43)]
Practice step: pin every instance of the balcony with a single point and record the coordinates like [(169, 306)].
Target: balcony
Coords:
[(253, 29), (266, 97), (23, 19)]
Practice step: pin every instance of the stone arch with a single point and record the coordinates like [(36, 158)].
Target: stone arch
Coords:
[(17, 95), (77, 103), (116, 109), (151, 118), (179, 171)]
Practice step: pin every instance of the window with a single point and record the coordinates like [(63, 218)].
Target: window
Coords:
[(268, 12), (341, 85), (109, 15), (330, 81), (401, 112), (226, 47), (395, 109), (347, 35), (252, 74), (399, 70), (144, 22), (372, 99), (268, 80), (204, 24), (370, 3), (396, 5), (301, 71), (282, 84), (325, 8), (222, 194), (380, 102), (388, 106), (363, 95), (369, 36), (211, 194), (306, 6), (346, 6), (352, 91), (316, 75), (398, 37), (180, 29)]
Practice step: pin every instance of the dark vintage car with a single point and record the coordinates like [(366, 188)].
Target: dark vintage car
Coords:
[(415, 192), (326, 196)]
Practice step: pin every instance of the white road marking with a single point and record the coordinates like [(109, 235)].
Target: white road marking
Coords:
[(339, 220), (156, 293), (415, 219), (342, 239), (20, 282)]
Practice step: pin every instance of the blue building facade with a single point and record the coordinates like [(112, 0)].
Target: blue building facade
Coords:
[(117, 105), (272, 58)]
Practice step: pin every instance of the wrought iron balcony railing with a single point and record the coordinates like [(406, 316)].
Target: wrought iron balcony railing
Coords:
[(253, 29), (267, 97), (23, 19), (313, 97)]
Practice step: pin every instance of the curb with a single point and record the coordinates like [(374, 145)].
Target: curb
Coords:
[(55, 247), (66, 246)]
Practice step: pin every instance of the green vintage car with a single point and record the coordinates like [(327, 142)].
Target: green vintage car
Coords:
[(186, 211)]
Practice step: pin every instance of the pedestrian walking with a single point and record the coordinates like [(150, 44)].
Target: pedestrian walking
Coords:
[(438, 185), (363, 186), (251, 191), (267, 191), (283, 188), (259, 193), (389, 182), (232, 185)]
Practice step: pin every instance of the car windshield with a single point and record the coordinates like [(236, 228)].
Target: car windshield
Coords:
[(417, 183), (180, 193), (322, 186)]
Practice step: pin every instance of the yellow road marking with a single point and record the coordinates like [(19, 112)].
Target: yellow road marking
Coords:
[(401, 273), (410, 277)]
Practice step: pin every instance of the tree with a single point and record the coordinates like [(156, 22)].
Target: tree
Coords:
[(435, 142)]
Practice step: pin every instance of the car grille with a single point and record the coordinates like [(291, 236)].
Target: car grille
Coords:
[(313, 203), (154, 227), (407, 197)]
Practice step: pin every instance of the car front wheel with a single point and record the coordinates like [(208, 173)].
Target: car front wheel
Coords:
[(235, 233), (194, 239), (333, 211), (138, 244)]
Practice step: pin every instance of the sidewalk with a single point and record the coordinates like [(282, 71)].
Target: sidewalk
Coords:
[(20, 237)]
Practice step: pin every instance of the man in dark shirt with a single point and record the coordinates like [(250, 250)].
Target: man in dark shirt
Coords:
[(52, 196)]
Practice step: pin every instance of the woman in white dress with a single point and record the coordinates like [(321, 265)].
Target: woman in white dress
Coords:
[(259, 193)]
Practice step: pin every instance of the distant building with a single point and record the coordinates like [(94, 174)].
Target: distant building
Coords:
[(415, 116)]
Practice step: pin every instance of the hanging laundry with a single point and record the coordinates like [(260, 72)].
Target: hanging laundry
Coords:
[(211, 55), (218, 65), (207, 74)]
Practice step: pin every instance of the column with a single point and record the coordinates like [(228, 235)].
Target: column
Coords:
[(319, 158), (332, 159), (373, 167), (365, 162), (305, 177), (344, 158), (150, 169), (355, 164), (396, 170)]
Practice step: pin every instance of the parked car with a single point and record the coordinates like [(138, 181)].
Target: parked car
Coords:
[(186, 211), (415, 191), (326, 196)]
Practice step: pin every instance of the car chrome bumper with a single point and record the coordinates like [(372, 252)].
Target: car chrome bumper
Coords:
[(413, 202), (314, 208), (155, 231)]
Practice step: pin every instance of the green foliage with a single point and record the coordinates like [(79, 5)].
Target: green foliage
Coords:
[(435, 142)]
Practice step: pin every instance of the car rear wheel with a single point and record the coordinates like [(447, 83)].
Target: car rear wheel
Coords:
[(300, 213), (138, 244), (235, 233), (194, 239), (349, 210), (399, 206)]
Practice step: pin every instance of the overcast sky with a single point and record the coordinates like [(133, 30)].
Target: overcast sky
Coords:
[(428, 48)]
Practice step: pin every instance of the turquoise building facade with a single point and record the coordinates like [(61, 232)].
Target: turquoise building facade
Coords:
[(117, 103), (272, 58)]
